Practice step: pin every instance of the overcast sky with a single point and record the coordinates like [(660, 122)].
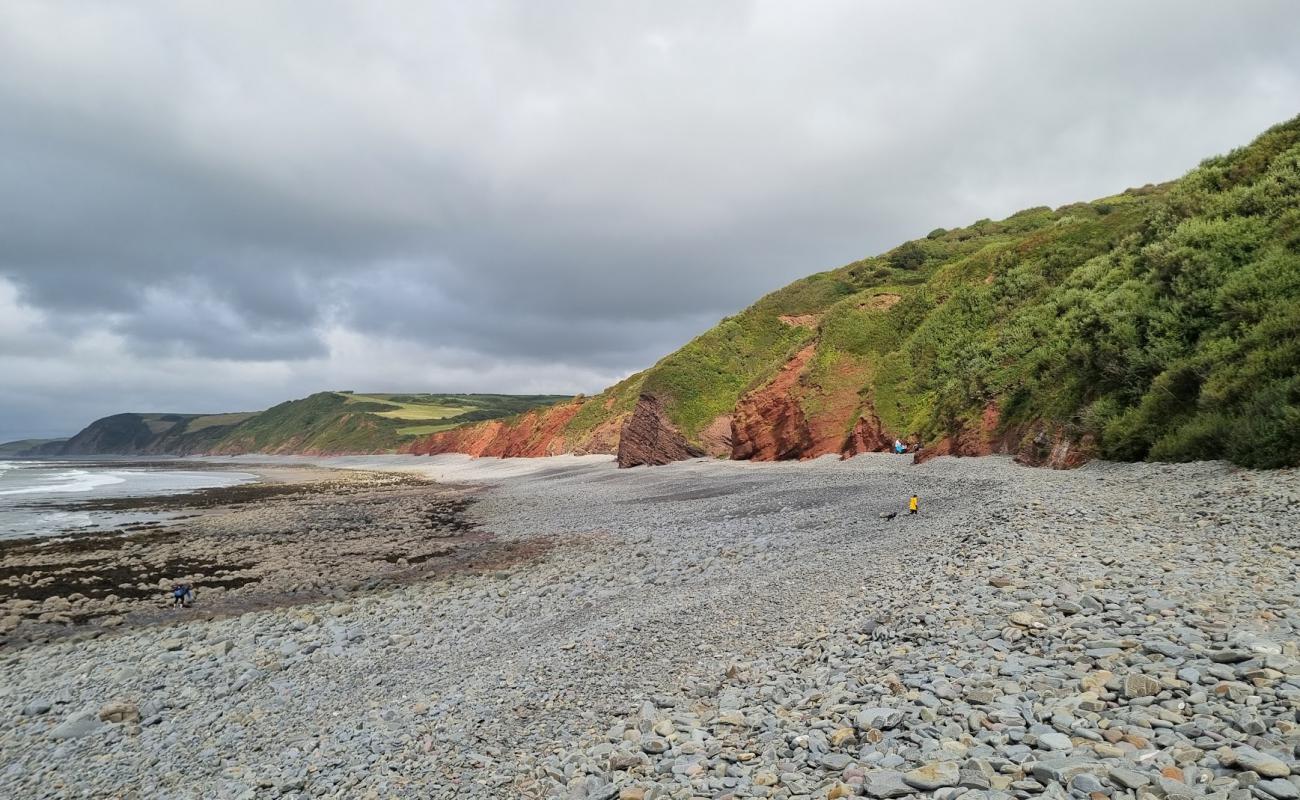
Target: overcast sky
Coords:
[(219, 206)]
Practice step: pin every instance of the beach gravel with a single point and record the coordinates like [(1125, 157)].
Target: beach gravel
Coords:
[(727, 630)]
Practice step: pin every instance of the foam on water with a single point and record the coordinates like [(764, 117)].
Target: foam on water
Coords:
[(31, 493), (73, 480), (67, 519)]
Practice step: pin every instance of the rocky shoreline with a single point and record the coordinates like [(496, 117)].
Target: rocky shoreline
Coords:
[(296, 535), (721, 630)]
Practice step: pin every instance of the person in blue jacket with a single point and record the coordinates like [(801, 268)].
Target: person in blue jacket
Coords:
[(182, 595)]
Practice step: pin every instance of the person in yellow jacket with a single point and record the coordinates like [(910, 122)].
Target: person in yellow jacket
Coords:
[(913, 505)]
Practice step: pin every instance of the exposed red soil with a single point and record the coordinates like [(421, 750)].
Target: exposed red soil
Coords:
[(769, 424), (794, 417), (535, 433), (831, 412), (808, 321), (790, 417), (603, 439), (979, 439), (868, 436), (881, 302)]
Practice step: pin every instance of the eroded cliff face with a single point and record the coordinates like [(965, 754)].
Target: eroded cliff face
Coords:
[(789, 417), (795, 416), (980, 438), (603, 439), (868, 436), (800, 413), (533, 434), (1035, 445), (769, 424), (716, 437), (649, 437), (1051, 446)]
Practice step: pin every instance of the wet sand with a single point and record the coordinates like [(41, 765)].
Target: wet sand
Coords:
[(298, 534)]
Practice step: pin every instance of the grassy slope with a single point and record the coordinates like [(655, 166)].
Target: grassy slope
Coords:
[(329, 422), (1164, 322), (22, 446), (337, 422), (423, 414)]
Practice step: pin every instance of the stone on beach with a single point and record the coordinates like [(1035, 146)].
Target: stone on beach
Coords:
[(727, 631)]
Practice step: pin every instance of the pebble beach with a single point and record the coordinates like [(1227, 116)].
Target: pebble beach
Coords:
[(720, 630)]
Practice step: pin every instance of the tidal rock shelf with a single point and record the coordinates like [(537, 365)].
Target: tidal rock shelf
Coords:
[(721, 630), (298, 535)]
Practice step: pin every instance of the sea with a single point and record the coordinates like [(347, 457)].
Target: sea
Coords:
[(38, 496)]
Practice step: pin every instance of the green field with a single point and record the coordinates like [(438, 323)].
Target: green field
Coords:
[(410, 407), (217, 421), (440, 412), (347, 422), (326, 422)]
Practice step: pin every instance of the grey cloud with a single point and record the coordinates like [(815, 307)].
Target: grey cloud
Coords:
[(570, 187)]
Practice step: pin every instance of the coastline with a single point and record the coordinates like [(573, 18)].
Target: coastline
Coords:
[(299, 533), (710, 628)]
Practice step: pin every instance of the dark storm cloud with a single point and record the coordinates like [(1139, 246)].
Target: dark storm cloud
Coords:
[(557, 193)]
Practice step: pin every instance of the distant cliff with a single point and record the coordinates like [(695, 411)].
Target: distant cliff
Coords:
[(322, 424), (1160, 323), (27, 448), (150, 434)]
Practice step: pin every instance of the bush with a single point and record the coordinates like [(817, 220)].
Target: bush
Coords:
[(1164, 321), (908, 257)]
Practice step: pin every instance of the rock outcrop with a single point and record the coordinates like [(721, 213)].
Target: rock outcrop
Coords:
[(1036, 445), (1051, 446), (793, 416), (649, 437), (977, 438), (769, 424), (868, 436), (716, 437)]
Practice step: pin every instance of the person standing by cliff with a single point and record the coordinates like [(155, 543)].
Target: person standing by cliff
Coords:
[(913, 505)]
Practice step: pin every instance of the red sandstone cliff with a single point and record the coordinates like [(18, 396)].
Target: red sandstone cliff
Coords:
[(769, 424), (867, 436), (793, 416), (805, 410), (534, 433), (789, 417)]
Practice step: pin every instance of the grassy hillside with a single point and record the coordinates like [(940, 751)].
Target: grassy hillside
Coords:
[(327, 422), (1160, 323), (149, 434), (23, 447), (349, 422), (430, 413)]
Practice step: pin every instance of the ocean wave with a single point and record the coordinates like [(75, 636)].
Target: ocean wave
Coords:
[(71, 481), (68, 519)]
